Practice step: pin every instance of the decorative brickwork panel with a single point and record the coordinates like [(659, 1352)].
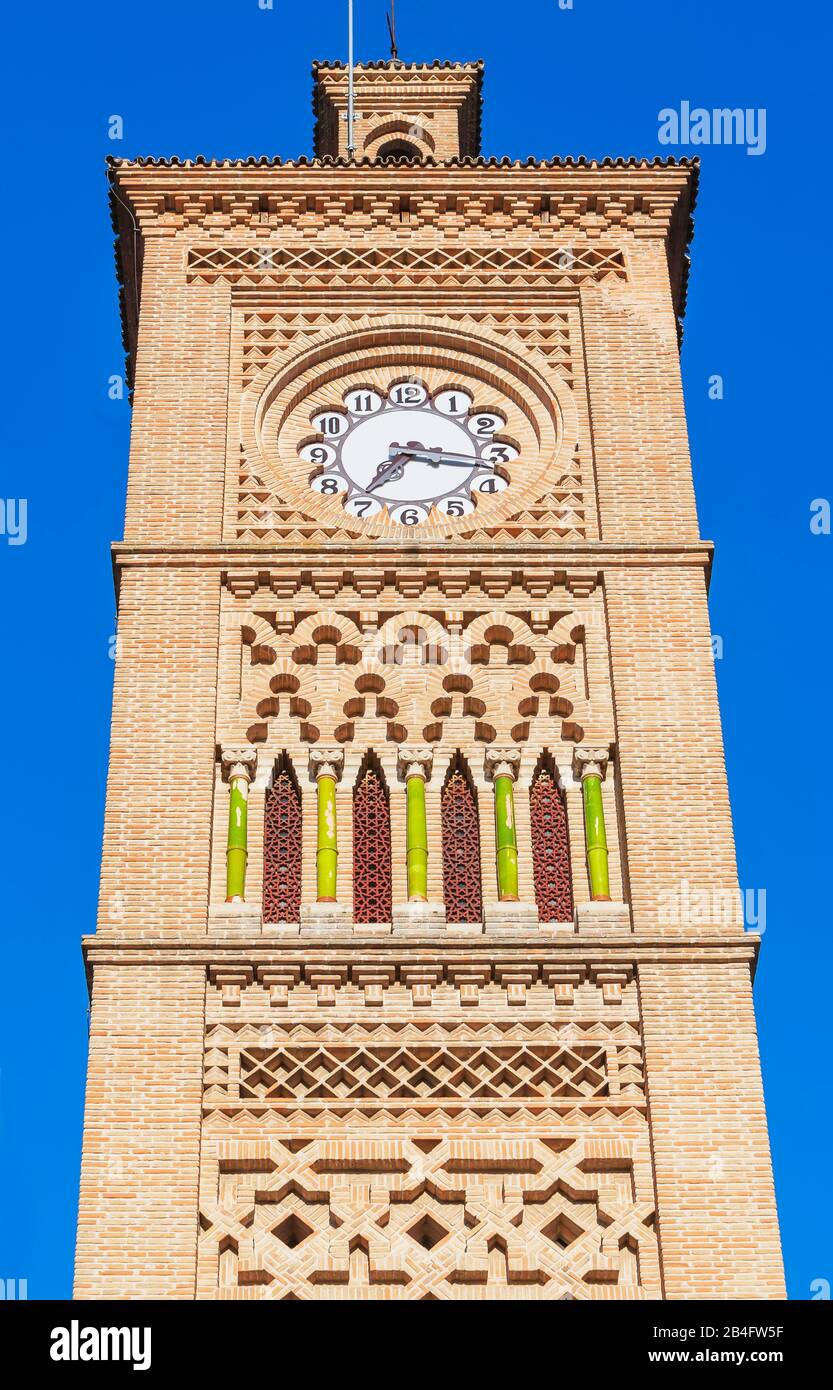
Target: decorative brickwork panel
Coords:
[(444, 1063), (372, 883), (282, 849), (550, 849), (412, 1216), (462, 890), (407, 266)]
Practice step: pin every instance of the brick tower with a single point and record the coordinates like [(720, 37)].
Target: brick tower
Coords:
[(416, 764)]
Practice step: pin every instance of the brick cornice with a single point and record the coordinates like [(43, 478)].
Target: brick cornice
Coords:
[(602, 554), (577, 567), (175, 949)]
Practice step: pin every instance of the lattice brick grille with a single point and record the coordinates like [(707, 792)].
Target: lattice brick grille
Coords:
[(461, 850), (421, 1070), (372, 883), (282, 851), (550, 850)]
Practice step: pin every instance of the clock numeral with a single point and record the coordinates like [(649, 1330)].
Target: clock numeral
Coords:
[(330, 424), (329, 484), (320, 454), (494, 483), (408, 393), (452, 402), (363, 402), (409, 515), (484, 425), (455, 506), (499, 453), (363, 506)]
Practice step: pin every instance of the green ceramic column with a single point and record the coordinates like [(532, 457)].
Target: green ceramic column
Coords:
[(327, 857), (240, 763), (416, 828), (504, 765), (592, 769), (325, 766), (507, 844)]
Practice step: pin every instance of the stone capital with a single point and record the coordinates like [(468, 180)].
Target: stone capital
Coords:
[(590, 762), (503, 762), (238, 760), (326, 762), (415, 762)]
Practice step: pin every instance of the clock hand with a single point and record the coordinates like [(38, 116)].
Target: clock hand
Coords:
[(435, 457), (390, 470)]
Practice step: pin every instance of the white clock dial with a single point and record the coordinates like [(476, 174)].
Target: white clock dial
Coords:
[(490, 485), (406, 451), (331, 423), (321, 454), (455, 506), (499, 453), (484, 424), (368, 446), (359, 505), (453, 402), (330, 483), (363, 401), (409, 515), (408, 394)]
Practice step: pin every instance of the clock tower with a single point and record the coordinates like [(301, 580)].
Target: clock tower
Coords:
[(420, 971)]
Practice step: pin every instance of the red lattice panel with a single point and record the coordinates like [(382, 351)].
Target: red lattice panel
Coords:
[(550, 850), (282, 852), (461, 851), (372, 881)]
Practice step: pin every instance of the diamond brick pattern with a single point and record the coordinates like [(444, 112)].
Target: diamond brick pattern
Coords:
[(409, 266)]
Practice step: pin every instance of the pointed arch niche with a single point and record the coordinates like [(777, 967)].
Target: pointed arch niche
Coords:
[(462, 883), (372, 871), (282, 845), (550, 844)]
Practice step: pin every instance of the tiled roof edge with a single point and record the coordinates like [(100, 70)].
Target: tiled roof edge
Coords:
[(467, 162)]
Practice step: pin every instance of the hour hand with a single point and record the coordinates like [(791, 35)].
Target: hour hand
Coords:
[(390, 469)]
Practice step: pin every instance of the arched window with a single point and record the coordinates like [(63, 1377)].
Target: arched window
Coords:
[(282, 846), (550, 846), (461, 846), (372, 879), (397, 149)]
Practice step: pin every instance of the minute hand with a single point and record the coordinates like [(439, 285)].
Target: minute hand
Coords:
[(435, 457)]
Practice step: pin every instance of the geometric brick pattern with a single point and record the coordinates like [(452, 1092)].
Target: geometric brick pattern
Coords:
[(415, 1216), (386, 266), (538, 1062)]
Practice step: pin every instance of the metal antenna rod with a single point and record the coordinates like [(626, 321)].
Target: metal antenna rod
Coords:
[(391, 18), (351, 143)]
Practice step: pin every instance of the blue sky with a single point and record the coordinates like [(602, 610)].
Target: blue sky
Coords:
[(228, 79)]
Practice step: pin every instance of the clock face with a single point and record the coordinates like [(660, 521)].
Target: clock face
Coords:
[(399, 447)]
